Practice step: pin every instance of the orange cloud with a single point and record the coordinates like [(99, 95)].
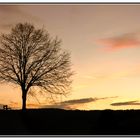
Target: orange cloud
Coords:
[(130, 40)]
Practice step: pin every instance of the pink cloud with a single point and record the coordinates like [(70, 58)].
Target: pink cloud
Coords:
[(130, 40)]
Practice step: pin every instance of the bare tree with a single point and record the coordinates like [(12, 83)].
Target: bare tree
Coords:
[(29, 57)]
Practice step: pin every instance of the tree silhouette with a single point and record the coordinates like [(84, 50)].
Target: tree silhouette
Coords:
[(29, 57)]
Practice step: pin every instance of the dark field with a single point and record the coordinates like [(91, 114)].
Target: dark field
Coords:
[(61, 122)]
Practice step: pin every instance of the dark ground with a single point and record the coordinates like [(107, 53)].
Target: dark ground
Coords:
[(61, 122)]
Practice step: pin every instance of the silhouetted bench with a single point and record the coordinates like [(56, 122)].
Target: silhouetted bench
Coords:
[(5, 107)]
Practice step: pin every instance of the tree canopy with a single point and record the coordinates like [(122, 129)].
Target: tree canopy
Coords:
[(30, 57)]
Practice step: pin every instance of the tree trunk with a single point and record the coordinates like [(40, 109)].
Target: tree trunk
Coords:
[(24, 94)]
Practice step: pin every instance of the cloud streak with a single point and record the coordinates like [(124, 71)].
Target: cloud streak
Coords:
[(126, 103), (85, 100), (70, 103), (129, 40)]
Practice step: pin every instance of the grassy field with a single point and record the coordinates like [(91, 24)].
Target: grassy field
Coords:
[(68, 122)]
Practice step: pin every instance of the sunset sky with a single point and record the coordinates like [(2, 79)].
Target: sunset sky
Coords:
[(104, 41)]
